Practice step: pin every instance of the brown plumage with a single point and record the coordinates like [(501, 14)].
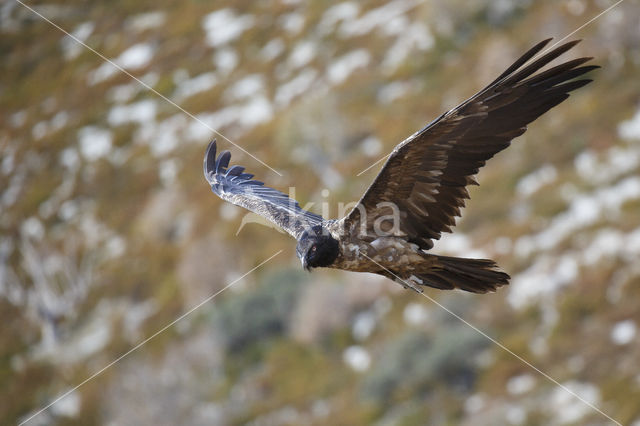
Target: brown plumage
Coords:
[(422, 187)]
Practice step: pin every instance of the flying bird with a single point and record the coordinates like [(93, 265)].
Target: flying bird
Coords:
[(422, 186)]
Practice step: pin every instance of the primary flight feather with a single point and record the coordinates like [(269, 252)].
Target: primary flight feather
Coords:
[(422, 186)]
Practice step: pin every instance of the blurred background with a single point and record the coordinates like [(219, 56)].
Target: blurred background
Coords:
[(109, 232)]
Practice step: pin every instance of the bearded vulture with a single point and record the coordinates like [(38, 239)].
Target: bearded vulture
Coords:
[(422, 186)]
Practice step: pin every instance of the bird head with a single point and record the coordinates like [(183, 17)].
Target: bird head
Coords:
[(317, 248)]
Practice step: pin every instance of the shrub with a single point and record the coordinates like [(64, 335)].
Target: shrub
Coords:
[(414, 361), (258, 314)]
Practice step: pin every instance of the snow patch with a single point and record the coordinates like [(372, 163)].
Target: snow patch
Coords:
[(363, 325), (295, 87), (57, 122), (576, 7), (617, 161), (32, 228), (224, 26), (135, 316), (135, 57), (341, 68), (623, 332), (225, 60), (502, 245), (139, 112), (357, 358), (162, 137), (474, 404), (303, 53), (568, 408), (126, 92), (17, 119), (410, 37), (584, 210), (8, 160), (292, 23), (93, 338), (95, 142), (68, 210), (40, 130), (256, 111), (630, 129), (393, 91), (228, 211), (214, 120), (72, 44), (520, 384), (272, 49), (545, 277), (146, 21), (195, 85), (246, 87), (378, 17), (115, 247), (415, 314), (532, 182), (515, 414), (346, 11), (69, 406), (168, 171), (607, 243), (371, 146), (69, 158), (458, 245)]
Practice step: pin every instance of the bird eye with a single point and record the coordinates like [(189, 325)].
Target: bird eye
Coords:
[(313, 248)]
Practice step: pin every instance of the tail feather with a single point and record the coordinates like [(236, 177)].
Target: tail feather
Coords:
[(473, 275)]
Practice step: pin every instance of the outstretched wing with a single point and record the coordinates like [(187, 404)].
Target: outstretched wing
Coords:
[(425, 177), (236, 187)]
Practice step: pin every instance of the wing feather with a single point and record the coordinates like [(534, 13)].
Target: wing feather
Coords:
[(426, 175), (236, 187)]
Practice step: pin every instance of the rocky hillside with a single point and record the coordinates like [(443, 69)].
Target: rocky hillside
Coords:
[(109, 233)]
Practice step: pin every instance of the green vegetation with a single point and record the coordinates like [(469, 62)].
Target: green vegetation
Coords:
[(108, 232)]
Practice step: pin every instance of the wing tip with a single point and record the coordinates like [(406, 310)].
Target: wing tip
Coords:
[(543, 43), (538, 47), (219, 165), (209, 160), (574, 42), (222, 162), (212, 165)]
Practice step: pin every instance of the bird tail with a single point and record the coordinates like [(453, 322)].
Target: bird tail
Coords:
[(474, 275)]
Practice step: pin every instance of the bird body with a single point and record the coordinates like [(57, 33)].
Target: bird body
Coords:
[(421, 188), (388, 252), (398, 259)]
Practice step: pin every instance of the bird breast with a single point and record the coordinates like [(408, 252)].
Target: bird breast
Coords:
[(389, 252)]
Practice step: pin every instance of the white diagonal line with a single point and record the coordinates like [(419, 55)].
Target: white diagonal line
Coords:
[(496, 342), (565, 388), (538, 54), (383, 158), (93, 376), (581, 27), (146, 86), (548, 377)]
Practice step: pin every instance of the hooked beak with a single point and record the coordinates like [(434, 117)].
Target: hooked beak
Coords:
[(304, 264)]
